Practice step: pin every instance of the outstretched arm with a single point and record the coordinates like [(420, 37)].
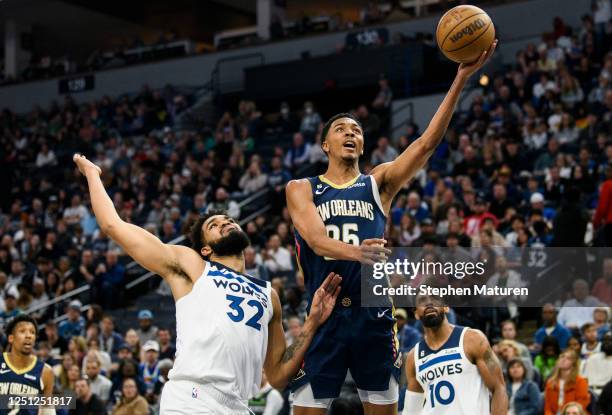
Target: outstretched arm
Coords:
[(310, 226), (393, 175), (282, 362), (138, 243), (479, 351)]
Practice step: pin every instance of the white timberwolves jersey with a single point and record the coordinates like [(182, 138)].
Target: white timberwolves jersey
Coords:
[(451, 382), (222, 331)]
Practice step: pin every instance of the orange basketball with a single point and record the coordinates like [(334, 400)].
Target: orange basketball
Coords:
[(464, 32)]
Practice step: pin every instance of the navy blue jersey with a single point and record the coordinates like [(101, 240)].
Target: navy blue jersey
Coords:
[(27, 381), (351, 213)]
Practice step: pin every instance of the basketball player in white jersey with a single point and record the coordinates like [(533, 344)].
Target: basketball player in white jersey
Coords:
[(229, 325), (452, 370)]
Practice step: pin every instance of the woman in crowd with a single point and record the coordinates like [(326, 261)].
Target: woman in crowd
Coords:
[(523, 394), (508, 351), (131, 402), (573, 408), (565, 385)]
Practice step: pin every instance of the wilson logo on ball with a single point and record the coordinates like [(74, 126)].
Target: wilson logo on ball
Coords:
[(469, 30)]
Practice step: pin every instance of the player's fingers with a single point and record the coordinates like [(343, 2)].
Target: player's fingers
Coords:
[(327, 281), (374, 241), (335, 282), (336, 293), (377, 249)]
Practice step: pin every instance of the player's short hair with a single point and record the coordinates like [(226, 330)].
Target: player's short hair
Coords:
[(21, 318), (329, 123), (196, 235)]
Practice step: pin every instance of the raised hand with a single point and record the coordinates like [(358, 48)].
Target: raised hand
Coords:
[(468, 69), (85, 165), (324, 299)]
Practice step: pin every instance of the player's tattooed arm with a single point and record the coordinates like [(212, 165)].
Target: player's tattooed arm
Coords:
[(282, 362), (479, 350)]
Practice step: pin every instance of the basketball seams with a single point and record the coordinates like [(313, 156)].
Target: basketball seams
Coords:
[(441, 45), (473, 40)]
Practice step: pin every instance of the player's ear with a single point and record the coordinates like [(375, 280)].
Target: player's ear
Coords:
[(206, 251), (325, 146)]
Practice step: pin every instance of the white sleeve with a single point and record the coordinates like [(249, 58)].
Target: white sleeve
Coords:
[(274, 403), (413, 403)]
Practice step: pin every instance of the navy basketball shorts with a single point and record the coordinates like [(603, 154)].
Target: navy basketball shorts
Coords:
[(360, 339)]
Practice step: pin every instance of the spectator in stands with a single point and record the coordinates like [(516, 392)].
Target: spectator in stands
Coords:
[(294, 329), (146, 330), (299, 152), (110, 340), (76, 212), (252, 267), (417, 208), (223, 202), (573, 408), (566, 385), (87, 403), (286, 123), (57, 344), (310, 122), (508, 332), (382, 102), (602, 288), (383, 153), (603, 214), (551, 328), (546, 360), (149, 368), (277, 258), (523, 394), (131, 402), (408, 230), (253, 179), (99, 384), (94, 352), (10, 308), (407, 335), (110, 279), (590, 344), (598, 366), (508, 350), (75, 324), (370, 123), (601, 321), (167, 350), (579, 309)]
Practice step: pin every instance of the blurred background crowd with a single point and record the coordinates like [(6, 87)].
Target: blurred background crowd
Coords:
[(527, 164)]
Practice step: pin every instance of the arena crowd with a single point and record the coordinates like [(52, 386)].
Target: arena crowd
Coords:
[(528, 164)]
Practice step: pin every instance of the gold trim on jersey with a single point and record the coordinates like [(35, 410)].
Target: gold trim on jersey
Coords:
[(339, 186), (19, 371)]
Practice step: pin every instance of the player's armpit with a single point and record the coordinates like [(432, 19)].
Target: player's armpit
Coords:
[(479, 351)]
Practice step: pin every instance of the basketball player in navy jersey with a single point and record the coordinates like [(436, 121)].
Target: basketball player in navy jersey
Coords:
[(452, 370), (339, 221), (21, 372)]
